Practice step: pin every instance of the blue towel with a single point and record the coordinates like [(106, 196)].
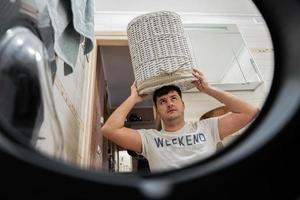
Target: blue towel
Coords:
[(71, 20)]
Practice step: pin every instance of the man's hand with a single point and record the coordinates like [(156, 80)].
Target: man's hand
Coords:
[(134, 93), (201, 83)]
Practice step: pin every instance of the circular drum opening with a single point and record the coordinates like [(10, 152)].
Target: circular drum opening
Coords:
[(247, 159)]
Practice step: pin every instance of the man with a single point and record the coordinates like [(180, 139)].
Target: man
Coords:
[(179, 143)]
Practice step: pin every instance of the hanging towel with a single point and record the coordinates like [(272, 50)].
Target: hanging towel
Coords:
[(47, 35), (72, 20)]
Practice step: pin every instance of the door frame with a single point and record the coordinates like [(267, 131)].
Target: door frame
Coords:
[(86, 149)]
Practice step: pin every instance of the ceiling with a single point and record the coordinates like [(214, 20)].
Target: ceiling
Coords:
[(118, 73), (199, 6)]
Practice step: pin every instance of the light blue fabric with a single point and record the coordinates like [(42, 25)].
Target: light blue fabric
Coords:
[(83, 16), (71, 19)]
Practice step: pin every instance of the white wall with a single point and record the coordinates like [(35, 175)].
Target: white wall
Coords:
[(115, 15)]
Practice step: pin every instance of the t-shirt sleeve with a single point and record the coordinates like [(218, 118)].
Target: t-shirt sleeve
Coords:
[(212, 124), (143, 133)]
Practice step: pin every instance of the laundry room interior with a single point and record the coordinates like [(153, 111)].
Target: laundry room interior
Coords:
[(91, 73)]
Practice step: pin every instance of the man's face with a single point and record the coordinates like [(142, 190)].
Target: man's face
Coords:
[(170, 106)]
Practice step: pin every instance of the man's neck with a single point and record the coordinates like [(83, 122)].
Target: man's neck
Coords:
[(174, 125)]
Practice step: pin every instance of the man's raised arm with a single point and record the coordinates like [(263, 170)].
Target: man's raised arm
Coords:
[(114, 129), (241, 112)]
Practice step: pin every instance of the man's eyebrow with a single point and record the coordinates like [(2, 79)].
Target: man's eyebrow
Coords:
[(161, 98)]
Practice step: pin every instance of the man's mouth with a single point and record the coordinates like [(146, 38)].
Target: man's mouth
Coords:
[(171, 110)]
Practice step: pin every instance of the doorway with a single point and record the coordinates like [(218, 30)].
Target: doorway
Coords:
[(113, 78)]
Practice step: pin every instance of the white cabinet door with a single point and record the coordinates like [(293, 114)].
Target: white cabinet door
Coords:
[(220, 52)]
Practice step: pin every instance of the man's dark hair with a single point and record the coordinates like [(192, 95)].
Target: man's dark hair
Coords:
[(165, 90)]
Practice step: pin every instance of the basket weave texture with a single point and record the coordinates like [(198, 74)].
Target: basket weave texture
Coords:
[(159, 52)]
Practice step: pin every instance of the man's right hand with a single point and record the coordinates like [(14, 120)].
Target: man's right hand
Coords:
[(134, 93)]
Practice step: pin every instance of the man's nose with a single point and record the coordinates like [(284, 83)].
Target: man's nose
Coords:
[(169, 103)]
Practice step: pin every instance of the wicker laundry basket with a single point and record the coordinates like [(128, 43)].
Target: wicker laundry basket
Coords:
[(159, 51)]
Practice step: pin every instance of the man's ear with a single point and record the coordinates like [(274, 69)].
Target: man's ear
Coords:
[(155, 111)]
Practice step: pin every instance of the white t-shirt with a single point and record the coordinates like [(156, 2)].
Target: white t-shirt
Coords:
[(170, 150)]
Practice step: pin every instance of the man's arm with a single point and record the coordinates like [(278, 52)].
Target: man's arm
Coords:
[(241, 112), (114, 129)]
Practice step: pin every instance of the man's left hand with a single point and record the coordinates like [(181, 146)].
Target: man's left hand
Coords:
[(201, 82)]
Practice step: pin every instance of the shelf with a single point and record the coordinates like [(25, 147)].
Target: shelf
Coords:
[(140, 124)]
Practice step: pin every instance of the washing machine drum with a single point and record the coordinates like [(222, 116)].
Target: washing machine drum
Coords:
[(22, 56)]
